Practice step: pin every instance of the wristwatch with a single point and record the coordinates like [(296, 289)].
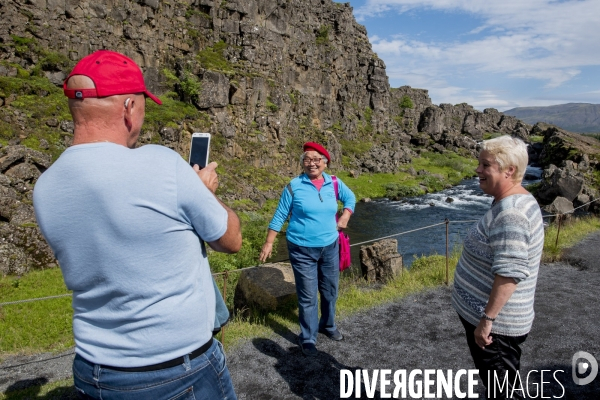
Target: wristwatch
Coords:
[(487, 317)]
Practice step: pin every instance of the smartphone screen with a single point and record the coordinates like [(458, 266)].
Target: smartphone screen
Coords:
[(199, 151)]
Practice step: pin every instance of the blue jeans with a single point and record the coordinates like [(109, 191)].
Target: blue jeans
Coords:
[(205, 377), (315, 268)]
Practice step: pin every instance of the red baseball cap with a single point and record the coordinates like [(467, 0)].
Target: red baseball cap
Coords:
[(318, 148), (112, 73)]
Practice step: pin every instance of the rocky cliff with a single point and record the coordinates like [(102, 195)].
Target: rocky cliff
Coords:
[(268, 74), (263, 76)]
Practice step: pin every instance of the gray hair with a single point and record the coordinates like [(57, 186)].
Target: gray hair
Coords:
[(322, 158), (507, 151)]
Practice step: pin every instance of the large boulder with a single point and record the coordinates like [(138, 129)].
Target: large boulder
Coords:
[(380, 261), (560, 206), (565, 182), (267, 287)]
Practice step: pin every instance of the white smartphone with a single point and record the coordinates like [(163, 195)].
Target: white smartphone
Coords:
[(199, 149)]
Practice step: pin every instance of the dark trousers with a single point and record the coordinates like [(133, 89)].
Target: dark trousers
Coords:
[(496, 362)]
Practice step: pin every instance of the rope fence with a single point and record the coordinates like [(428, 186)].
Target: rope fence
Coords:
[(560, 217), (225, 274)]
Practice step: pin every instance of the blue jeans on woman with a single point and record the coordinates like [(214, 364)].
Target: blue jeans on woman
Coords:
[(204, 377), (315, 269)]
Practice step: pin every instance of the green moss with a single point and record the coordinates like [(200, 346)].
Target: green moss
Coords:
[(323, 35), (191, 12), (536, 139), (212, 58), (173, 110), (272, 106), (294, 96), (23, 45)]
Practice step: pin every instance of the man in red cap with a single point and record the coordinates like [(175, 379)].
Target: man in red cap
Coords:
[(124, 224)]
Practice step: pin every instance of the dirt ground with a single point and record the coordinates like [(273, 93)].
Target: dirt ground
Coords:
[(418, 332)]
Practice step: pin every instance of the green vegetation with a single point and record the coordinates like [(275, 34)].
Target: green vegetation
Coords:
[(40, 102), (323, 35), (536, 139), (491, 135), (173, 111), (406, 102), (187, 84), (212, 58), (571, 232), (272, 106), (59, 390), (36, 326), (191, 12), (444, 169)]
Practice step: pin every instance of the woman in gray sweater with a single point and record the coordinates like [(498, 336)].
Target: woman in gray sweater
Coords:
[(495, 279)]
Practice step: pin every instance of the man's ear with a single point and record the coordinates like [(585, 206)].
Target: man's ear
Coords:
[(128, 112)]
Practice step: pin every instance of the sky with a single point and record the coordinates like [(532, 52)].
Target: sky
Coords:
[(489, 53)]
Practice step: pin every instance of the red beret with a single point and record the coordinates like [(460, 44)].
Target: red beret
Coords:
[(318, 148)]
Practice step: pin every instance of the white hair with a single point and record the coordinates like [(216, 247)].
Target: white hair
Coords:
[(508, 151)]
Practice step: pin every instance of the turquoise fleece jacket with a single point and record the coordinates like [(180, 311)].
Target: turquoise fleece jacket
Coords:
[(312, 223)]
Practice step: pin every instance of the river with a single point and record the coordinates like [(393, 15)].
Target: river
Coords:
[(380, 218)]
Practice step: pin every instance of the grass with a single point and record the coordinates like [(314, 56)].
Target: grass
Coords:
[(571, 232), (28, 328), (451, 167), (58, 390)]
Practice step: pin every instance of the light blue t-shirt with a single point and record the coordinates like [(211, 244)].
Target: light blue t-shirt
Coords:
[(312, 221), (125, 225)]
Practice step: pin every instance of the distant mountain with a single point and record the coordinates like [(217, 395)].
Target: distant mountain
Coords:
[(574, 117)]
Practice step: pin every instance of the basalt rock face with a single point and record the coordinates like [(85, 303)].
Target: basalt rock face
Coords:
[(270, 74), (458, 128), (22, 246), (570, 164)]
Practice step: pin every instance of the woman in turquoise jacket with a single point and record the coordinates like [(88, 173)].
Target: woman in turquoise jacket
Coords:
[(312, 240)]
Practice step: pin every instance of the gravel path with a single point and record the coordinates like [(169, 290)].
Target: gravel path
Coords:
[(421, 331)]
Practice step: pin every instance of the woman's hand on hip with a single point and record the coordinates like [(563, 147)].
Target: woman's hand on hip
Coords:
[(342, 222), (482, 333), (265, 252)]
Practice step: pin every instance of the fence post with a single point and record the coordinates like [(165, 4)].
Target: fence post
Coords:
[(558, 231), (226, 276), (447, 255)]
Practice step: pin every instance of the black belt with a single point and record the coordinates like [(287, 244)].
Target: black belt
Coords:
[(167, 364)]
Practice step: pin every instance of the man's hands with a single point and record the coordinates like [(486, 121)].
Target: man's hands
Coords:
[(208, 176), (231, 241)]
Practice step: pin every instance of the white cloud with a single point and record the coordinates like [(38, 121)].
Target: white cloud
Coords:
[(546, 40)]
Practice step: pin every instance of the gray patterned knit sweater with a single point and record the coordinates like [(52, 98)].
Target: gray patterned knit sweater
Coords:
[(507, 241)]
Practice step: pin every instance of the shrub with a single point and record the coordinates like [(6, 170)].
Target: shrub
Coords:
[(323, 35), (406, 102)]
